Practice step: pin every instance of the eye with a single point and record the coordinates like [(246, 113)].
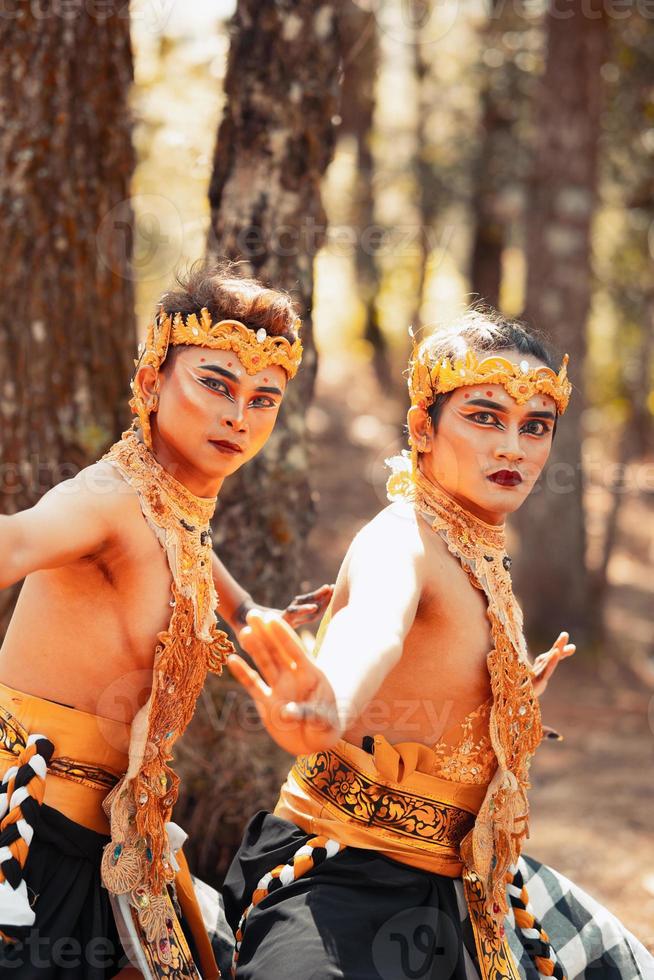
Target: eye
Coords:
[(538, 432), (215, 385), (481, 418), (263, 401)]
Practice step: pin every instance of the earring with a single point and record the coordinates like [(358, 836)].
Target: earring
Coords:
[(418, 444)]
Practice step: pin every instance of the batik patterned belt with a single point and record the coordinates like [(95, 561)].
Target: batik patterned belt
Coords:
[(14, 738), (395, 811)]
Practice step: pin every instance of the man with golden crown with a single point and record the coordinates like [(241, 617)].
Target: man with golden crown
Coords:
[(395, 849), (111, 640)]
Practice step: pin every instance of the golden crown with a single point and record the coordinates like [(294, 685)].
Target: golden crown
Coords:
[(426, 380), (254, 348)]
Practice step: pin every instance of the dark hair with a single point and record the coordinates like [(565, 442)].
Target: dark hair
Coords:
[(484, 329), (227, 295)]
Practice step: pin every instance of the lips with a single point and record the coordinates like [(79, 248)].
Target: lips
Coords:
[(506, 478), (224, 446)]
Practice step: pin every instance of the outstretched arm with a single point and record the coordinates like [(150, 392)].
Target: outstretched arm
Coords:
[(365, 639), (68, 523), (306, 705)]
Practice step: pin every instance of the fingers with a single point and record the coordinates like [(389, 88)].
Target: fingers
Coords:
[(297, 615), (258, 650), (282, 644), (325, 591), (562, 644), (249, 678)]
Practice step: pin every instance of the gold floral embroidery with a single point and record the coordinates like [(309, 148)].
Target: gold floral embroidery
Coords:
[(355, 796), (137, 860), (471, 759)]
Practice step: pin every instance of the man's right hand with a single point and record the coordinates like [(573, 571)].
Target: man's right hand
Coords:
[(293, 697)]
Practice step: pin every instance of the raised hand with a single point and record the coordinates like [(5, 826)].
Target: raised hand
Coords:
[(305, 608), (293, 697), (546, 663)]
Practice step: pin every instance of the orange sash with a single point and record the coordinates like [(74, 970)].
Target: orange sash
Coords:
[(382, 801), (91, 755)]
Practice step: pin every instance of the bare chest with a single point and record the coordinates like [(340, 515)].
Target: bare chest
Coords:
[(85, 634)]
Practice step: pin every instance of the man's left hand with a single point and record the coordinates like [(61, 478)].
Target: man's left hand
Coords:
[(305, 608), (545, 664)]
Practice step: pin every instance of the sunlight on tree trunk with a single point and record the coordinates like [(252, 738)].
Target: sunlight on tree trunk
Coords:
[(274, 144)]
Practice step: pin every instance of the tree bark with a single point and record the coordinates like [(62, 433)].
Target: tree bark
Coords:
[(497, 167), (67, 330), (361, 62), (553, 579), (274, 144)]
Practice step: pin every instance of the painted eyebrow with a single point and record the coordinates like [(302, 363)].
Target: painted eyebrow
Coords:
[(216, 369), (502, 408), (270, 391)]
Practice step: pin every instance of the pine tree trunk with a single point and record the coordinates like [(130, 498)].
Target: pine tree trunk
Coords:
[(274, 144), (496, 166), (553, 579), (67, 331), (361, 60)]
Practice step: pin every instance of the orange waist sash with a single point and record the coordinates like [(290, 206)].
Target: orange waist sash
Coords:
[(384, 802), (89, 758)]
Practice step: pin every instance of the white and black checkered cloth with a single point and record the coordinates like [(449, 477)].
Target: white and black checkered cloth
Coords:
[(589, 941)]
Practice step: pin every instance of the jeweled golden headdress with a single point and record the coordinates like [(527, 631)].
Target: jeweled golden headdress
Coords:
[(255, 349), (430, 375), (426, 379)]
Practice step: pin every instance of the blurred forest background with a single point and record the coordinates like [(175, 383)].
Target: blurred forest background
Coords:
[(388, 162)]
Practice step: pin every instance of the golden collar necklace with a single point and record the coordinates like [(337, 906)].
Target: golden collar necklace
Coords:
[(138, 862)]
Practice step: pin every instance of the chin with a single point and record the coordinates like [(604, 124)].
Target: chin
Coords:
[(222, 466), (507, 499)]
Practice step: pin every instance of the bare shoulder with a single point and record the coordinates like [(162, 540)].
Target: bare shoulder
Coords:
[(397, 525), (391, 539), (99, 491)]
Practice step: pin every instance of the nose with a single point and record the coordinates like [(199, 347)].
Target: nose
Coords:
[(510, 447), (234, 417)]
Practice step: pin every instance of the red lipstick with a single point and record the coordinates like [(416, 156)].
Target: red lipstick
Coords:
[(506, 478), (224, 446)]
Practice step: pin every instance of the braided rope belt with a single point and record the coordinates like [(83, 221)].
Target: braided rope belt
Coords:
[(21, 795), (308, 856), (22, 792), (536, 940)]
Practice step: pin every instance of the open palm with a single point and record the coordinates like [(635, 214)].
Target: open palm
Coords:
[(293, 697)]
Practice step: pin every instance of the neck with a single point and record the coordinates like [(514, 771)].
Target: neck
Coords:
[(495, 519), (184, 472)]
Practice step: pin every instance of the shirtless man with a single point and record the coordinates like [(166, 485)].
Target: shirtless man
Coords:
[(76, 665), (401, 823)]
